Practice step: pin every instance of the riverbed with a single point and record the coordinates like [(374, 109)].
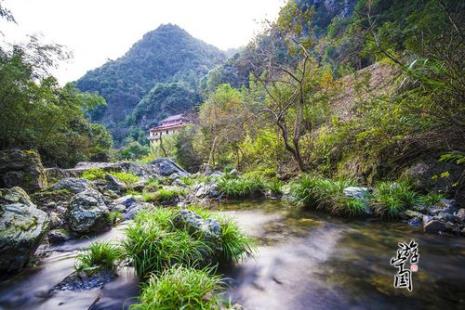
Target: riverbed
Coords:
[(303, 260)]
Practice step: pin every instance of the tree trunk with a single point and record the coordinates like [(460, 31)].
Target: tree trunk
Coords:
[(161, 145)]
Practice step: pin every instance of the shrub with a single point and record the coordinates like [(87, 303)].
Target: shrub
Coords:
[(390, 198), (241, 187), (181, 288), (93, 174), (152, 185), (100, 255), (126, 177)]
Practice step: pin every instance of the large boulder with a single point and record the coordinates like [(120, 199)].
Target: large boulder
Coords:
[(431, 175), (166, 167), (88, 213), (74, 185), (22, 168), (210, 229), (22, 227)]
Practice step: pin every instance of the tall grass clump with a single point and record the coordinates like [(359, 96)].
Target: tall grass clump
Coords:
[(100, 255), (241, 187), (390, 198), (181, 288), (154, 243), (321, 193)]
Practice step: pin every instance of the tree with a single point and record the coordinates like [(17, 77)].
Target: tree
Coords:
[(292, 86)]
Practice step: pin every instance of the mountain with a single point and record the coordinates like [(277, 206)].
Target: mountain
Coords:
[(150, 79)]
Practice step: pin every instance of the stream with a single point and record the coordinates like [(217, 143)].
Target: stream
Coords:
[(303, 260)]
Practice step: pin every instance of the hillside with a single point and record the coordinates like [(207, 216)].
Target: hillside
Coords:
[(166, 55)]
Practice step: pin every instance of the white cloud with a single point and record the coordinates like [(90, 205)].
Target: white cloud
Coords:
[(95, 30)]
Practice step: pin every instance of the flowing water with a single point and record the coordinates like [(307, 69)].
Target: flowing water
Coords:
[(303, 260)]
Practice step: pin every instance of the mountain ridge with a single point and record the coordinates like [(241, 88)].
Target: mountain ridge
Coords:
[(166, 55)]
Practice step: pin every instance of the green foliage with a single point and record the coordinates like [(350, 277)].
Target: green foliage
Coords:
[(38, 113), (155, 244), (241, 187), (430, 199), (181, 288), (158, 74), (133, 151), (235, 244), (390, 198), (126, 177), (115, 217), (457, 157), (164, 196), (274, 186), (312, 191), (100, 255), (94, 174)]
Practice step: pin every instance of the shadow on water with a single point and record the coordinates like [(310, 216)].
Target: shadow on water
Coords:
[(308, 260)]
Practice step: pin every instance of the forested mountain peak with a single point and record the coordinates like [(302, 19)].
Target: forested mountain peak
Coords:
[(168, 54)]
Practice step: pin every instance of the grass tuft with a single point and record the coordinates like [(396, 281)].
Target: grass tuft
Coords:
[(100, 255), (181, 288), (391, 198), (126, 177), (241, 187)]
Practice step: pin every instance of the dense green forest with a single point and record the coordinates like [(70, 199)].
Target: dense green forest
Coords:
[(37, 113), (157, 77)]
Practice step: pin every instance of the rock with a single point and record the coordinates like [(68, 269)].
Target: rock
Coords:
[(139, 186), (431, 175), (207, 190), (73, 185), (87, 213), (22, 168), (132, 210), (415, 222), (22, 228), (460, 214), (434, 226), (127, 201), (84, 281), (118, 208), (412, 214), (114, 184), (56, 219), (444, 216), (58, 236), (356, 192), (195, 224), (216, 174), (166, 167)]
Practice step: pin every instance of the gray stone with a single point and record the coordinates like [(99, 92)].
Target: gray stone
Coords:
[(114, 184), (127, 201), (166, 167), (74, 185), (22, 228), (22, 168), (434, 226), (195, 224), (356, 192), (56, 219), (460, 214), (412, 214), (415, 221), (87, 213), (58, 236)]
